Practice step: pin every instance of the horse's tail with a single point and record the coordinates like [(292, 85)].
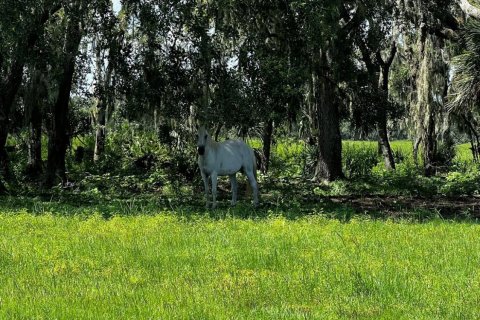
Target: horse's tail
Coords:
[(254, 165)]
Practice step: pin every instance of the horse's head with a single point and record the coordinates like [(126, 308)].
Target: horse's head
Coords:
[(202, 139)]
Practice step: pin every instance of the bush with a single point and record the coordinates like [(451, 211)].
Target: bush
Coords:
[(406, 179), (458, 183), (444, 155)]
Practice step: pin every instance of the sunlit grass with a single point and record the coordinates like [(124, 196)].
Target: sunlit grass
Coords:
[(405, 147), (463, 153), (165, 267)]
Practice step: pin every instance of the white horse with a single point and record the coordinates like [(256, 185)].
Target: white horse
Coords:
[(225, 159)]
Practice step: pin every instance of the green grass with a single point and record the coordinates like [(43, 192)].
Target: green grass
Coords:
[(463, 154), (359, 157), (169, 266)]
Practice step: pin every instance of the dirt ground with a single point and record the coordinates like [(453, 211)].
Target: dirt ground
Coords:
[(397, 205)]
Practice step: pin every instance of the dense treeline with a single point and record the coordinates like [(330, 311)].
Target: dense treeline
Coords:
[(315, 70)]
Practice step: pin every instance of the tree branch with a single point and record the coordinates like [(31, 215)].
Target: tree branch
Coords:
[(388, 62), (393, 52), (351, 22), (366, 55)]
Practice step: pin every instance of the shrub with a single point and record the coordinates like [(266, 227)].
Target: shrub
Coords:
[(445, 153), (406, 179), (458, 183)]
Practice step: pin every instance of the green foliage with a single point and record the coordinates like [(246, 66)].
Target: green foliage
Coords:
[(126, 143), (458, 183), (136, 164), (334, 188), (407, 179), (466, 75)]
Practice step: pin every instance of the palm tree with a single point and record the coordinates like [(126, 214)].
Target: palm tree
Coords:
[(465, 97), (466, 66)]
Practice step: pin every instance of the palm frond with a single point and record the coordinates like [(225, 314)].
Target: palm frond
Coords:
[(466, 71)]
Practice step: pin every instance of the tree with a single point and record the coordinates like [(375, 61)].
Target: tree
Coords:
[(107, 41), (376, 33), (58, 133), (328, 48), (271, 63), (465, 96), (35, 101), (21, 24), (426, 28)]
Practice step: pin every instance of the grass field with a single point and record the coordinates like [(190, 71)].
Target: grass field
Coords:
[(166, 266)]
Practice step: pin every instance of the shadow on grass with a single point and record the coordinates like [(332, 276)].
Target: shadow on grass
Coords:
[(273, 204)]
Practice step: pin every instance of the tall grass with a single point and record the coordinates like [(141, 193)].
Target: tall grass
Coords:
[(463, 156), (359, 157), (166, 267), (289, 156)]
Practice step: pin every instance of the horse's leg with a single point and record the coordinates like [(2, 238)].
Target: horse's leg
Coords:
[(205, 185), (233, 182), (254, 185), (214, 189)]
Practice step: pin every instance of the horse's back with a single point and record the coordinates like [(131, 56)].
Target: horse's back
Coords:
[(237, 148), (234, 155)]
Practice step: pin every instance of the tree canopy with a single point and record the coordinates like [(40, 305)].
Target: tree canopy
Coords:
[(317, 70)]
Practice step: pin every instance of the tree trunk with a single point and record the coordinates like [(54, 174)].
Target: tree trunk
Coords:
[(267, 144), (379, 71), (430, 147), (430, 83), (8, 91), (384, 143), (383, 140), (329, 142), (474, 138), (100, 131), (3, 150), (218, 129), (58, 139), (34, 97), (105, 99), (329, 161), (34, 166), (474, 149), (416, 145), (3, 153)]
